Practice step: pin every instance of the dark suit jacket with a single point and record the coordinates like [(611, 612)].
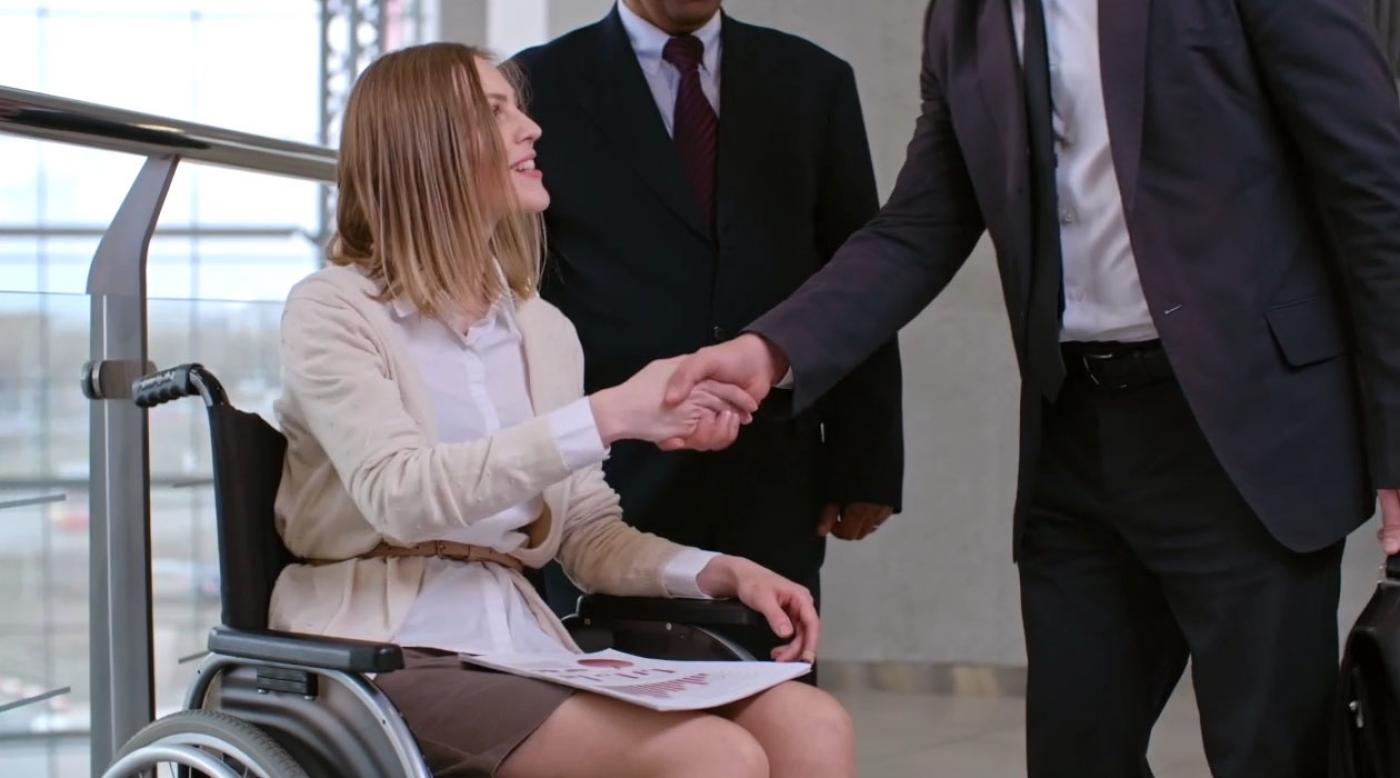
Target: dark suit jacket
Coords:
[(1257, 146), (642, 277)]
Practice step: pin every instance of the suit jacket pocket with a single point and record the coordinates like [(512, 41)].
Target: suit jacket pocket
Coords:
[(1308, 331)]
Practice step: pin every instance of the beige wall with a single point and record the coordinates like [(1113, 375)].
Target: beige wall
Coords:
[(937, 584)]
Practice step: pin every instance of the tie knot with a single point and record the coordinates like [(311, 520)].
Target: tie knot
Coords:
[(685, 52)]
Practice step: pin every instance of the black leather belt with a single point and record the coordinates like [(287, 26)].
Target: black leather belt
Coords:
[(1117, 366)]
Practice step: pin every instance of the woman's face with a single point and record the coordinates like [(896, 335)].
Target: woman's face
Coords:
[(518, 136)]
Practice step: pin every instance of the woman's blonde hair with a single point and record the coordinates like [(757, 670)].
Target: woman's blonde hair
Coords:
[(426, 200)]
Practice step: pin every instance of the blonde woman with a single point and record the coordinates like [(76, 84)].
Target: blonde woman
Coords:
[(439, 443)]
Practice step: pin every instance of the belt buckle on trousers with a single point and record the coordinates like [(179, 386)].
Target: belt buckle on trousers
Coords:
[(1088, 359)]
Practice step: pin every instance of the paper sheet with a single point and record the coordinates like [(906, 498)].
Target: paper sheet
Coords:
[(652, 683)]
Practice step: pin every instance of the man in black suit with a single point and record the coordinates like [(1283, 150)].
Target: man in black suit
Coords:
[(1206, 312), (700, 169)]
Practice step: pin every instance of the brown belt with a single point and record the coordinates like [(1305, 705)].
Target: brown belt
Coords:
[(443, 549)]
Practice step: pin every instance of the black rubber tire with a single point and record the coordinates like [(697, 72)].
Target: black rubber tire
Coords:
[(262, 751)]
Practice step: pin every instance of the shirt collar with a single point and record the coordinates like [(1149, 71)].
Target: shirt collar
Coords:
[(648, 40), (503, 309), (501, 313), (403, 308)]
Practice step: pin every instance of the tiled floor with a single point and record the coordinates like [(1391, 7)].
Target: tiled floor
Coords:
[(926, 736)]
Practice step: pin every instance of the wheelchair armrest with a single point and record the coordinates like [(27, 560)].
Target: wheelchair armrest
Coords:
[(312, 651), (695, 613)]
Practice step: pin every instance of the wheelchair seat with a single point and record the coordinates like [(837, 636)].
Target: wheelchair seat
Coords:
[(264, 699)]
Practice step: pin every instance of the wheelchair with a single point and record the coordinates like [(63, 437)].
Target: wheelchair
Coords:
[(281, 705)]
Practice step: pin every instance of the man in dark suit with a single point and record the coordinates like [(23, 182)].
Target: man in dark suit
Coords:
[(1206, 313), (700, 169)]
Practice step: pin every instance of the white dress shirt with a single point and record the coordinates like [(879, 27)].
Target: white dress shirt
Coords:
[(663, 77), (475, 378), (1103, 294)]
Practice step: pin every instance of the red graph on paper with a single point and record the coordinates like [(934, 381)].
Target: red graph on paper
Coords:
[(663, 689)]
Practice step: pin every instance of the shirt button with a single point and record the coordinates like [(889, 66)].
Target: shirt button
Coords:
[(1066, 216), (720, 334)]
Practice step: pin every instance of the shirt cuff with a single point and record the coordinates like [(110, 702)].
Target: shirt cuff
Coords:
[(576, 435), (787, 380), (680, 574)]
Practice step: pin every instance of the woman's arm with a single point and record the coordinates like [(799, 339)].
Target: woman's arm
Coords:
[(600, 553), (406, 487), (338, 390)]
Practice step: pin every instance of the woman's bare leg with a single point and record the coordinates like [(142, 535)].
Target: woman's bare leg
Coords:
[(804, 731), (592, 736)]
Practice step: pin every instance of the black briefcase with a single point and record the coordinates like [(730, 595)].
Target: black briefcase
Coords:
[(1366, 734)]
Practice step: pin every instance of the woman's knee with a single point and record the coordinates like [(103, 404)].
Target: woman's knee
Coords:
[(707, 745), (800, 719), (830, 724), (591, 736), (743, 754)]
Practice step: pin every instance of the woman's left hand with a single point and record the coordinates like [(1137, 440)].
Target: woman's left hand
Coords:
[(787, 606)]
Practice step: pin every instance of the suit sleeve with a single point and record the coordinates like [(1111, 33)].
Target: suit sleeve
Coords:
[(1336, 98), (892, 268), (863, 417)]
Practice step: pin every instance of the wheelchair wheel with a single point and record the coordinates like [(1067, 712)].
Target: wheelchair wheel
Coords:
[(203, 743)]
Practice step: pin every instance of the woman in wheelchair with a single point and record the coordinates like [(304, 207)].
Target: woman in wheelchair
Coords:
[(439, 442)]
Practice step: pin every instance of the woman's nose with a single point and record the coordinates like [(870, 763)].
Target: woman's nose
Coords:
[(529, 131)]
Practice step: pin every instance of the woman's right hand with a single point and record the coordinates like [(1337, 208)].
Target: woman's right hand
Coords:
[(636, 410)]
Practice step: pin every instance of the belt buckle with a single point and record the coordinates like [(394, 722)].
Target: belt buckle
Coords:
[(1086, 359)]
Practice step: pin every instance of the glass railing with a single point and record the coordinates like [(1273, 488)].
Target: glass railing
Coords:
[(75, 646), (44, 507)]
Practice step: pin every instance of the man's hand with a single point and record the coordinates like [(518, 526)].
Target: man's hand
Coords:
[(852, 521), (708, 417), (1390, 521), (787, 606), (748, 363)]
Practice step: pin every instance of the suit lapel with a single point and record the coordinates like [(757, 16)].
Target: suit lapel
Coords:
[(1003, 94), (621, 103), (1123, 61), (745, 120)]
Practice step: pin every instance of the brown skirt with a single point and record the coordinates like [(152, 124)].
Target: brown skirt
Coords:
[(466, 719)]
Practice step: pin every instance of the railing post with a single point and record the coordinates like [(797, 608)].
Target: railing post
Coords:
[(123, 692)]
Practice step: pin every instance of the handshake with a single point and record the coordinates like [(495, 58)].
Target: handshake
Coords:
[(694, 402)]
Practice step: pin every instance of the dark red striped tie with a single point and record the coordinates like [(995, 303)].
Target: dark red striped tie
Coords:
[(695, 127)]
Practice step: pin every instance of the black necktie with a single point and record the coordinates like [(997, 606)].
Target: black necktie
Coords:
[(696, 127), (1045, 367)]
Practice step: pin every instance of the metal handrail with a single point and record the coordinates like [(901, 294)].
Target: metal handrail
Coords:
[(46, 117), (121, 661)]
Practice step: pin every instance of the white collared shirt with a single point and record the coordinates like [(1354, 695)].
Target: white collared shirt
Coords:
[(475, 380), (1103, 293), (663, 77)]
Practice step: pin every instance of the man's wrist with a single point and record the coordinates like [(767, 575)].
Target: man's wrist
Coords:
[(776, 359)]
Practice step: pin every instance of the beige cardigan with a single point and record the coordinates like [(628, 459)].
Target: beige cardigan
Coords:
[(362, 467)]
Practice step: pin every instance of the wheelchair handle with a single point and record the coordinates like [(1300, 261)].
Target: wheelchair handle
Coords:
[(176, 382)]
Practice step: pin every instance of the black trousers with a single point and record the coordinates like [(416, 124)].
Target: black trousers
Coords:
[(1139, 553)]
